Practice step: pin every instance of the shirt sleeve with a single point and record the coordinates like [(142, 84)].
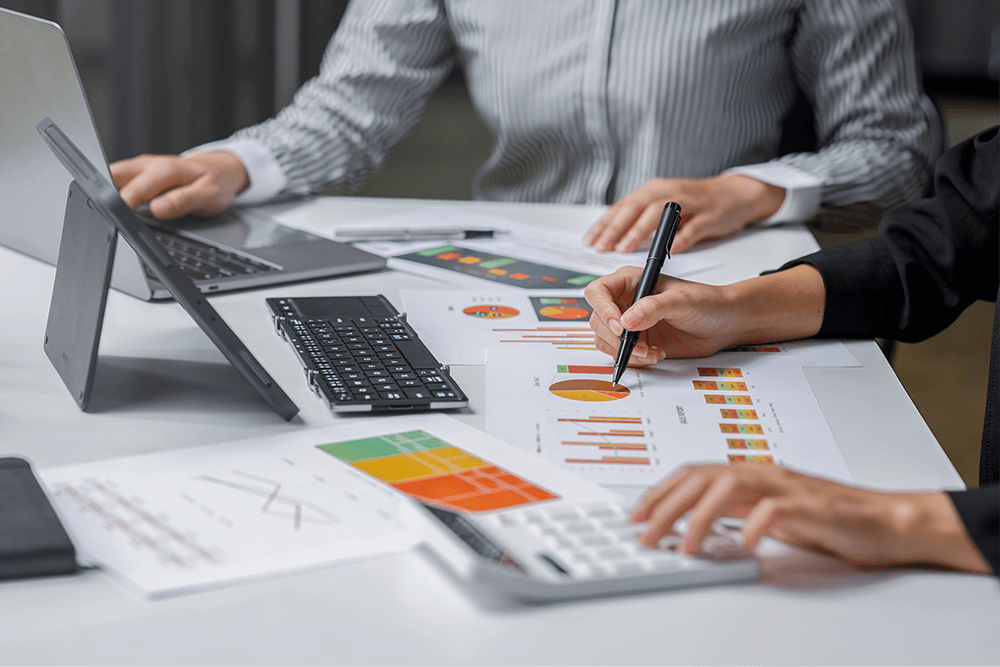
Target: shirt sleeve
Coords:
[(855, 62), (382, 64)]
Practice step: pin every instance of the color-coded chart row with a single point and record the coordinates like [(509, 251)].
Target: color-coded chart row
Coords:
[(727, 399), (720, 386), (738, 414), (746, 444), (750, 458), (720, 372), (753, 429)]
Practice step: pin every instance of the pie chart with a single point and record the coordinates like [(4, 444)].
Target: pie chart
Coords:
[(491, 312), (589, 390), (564, 312)]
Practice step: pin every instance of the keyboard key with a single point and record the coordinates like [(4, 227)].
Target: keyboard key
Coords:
[(416, 394)]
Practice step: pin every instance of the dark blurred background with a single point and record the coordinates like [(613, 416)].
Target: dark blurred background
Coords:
[(165, 75)]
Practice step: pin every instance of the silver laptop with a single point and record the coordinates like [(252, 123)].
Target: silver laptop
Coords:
[(241, 248)]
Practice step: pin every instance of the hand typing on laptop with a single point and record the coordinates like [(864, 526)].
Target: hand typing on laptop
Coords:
[(173, 186)]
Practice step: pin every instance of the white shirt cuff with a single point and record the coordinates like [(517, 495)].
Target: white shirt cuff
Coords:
[(802, 189), (267, 178)]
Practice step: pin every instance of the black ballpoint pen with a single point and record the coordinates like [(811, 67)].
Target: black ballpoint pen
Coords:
[(669, 221)]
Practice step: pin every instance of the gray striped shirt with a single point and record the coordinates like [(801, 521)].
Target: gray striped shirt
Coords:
[(588, 99)]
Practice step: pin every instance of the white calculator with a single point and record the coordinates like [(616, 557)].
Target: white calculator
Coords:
[(561, 551)]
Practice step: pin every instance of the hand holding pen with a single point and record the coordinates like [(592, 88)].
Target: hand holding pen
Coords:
[(659, 251)]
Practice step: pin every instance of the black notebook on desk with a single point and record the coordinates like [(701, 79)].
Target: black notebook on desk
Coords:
[(32, 541)]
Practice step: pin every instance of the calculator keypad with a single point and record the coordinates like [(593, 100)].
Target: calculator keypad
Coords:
[(597, 540)]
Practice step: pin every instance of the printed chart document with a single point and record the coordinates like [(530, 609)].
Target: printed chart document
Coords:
[(183, 520), (528, 257), (458, 325), (725, 408)]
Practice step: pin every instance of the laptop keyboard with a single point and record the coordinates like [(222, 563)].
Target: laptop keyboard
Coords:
[(202, 261)]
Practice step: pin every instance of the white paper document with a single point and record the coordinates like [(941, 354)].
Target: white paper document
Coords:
[(725, 408), (811, 352), (458, 325), (528, 257), (183, 520)]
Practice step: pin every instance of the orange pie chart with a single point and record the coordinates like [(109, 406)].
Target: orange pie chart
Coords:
[(589, 390), (564, 312), (491, 312)]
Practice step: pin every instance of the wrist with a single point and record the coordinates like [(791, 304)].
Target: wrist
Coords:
[(759, 200), (787, 305), (928, 530)]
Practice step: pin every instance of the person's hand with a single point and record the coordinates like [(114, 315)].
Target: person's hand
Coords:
[(684, 319), (870, 529), (680, 319), (202, 183), (710, 208)]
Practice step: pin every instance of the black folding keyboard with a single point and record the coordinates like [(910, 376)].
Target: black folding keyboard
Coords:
[(359, 354)]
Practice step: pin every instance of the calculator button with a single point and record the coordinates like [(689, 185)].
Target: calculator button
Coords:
[(629, 568), (391, 396), (579, 528), (595, 541), (612, 554), (564, 515), (410, 383)]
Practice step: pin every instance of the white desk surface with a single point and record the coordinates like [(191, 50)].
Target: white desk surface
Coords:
[(163, 385)]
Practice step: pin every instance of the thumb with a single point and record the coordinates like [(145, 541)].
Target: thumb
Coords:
[(648, 311)]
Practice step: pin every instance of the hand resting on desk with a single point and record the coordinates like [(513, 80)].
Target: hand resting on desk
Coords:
[(173, 186), (712, 208)]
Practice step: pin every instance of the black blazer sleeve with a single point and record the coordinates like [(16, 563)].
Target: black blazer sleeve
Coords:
[(932, 258)]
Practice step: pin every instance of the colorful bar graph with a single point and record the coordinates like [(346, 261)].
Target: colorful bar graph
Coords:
[(726, 399), (432, 470), (615, 460), (720, 372), (584, 370), (604, 420), (754, 429), (607, 445), (746, 444)]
